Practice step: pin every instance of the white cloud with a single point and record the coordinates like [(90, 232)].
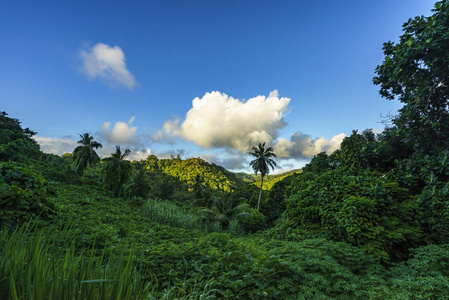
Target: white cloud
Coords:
[(303, 147), (108, 64), (121, 133), (140, 154), (169, 130), (56, 146), (125, 135), (219, 121), (135, 154)]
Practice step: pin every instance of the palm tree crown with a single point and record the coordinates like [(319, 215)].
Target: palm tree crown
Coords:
[(262, 163), (118, 155), (225, 208), (117, 171), (85, 153)]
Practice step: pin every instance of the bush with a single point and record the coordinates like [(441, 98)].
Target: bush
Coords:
[(434, 207), (367, 211), (16, 144), (168, 213), (23, 194), (274, 204), (257, 221)]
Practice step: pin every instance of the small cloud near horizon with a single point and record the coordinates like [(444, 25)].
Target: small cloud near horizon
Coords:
[(230, 162), (56, 146), (302, 146), (121, 133)]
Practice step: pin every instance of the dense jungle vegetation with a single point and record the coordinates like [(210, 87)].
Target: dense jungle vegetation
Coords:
[(370, 220)]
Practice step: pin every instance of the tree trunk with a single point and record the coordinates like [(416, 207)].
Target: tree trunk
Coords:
[(260, 195)]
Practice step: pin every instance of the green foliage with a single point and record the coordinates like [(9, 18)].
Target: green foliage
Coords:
[(415, 72), (165, 186), (214, 176), (319, 164), (36, 268), (424, 276), (225, 208), (151, 163), (198, 189), (434, 206), (175, 262), (269, 180), (117, 171), (46, 265), (254, 222), (16, 144), (366, 210), (23, 194), (55, 168), (275, 203), (248, 193), (140, 185), (358, 152), (167, 213), (85, 154)]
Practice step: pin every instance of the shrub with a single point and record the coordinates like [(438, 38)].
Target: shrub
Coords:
[(23, 194), (16, 144), (434, 207), (168, 213), (367, 211), (255, 222)]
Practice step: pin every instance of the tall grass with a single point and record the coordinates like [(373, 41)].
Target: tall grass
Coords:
[(41, 264), (168, 213)]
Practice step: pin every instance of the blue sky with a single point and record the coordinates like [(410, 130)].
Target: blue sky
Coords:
[(294, 74)]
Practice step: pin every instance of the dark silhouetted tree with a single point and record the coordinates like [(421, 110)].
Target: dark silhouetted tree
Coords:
[(117, 171), (85, 154), (262, 163)]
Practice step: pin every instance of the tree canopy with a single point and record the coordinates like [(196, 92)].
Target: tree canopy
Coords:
[(117, 171), (16, 143), (85, 154), (416, 72)]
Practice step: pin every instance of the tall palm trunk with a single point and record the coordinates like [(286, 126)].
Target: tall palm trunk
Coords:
[(262, 163), (260, 194)]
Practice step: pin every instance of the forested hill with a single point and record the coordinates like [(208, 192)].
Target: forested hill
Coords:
[(211, 175), (268, 181)]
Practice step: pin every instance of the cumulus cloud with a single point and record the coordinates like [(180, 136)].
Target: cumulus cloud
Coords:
[(140, 154), (56, 146), (121, 133), (126, 136), (135, 154), (302, 146), (169, 130), (219, 121), (107, 64)]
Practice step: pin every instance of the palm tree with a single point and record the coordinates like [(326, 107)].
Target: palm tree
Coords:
[(117, 170), (262, 163), (140, 186), (225, 208), (85, 153)]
